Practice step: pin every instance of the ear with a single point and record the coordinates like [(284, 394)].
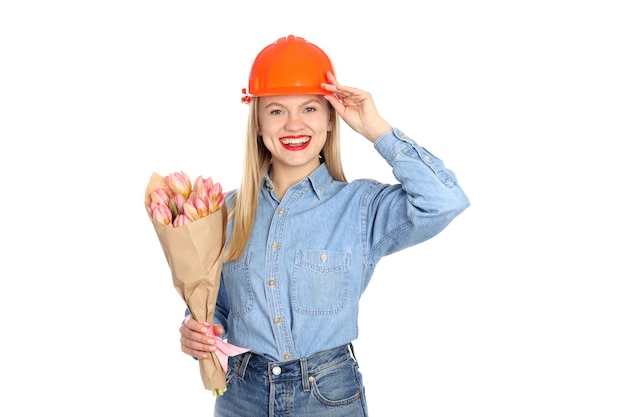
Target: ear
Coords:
[(329, 127)]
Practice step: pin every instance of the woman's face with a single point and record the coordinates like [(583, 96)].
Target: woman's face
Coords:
[(294, 129)]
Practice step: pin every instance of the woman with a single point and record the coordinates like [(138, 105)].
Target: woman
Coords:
[(302, 242)]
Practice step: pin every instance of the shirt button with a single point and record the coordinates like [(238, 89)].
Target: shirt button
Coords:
[(324, 257), (287, 356), (267, 184), (426, 158), (281, 212), (271, 282), (276, 320), (276, 370), (274, 245)]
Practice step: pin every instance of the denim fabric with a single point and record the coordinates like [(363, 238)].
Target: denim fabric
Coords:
[(325, 384), (296, 289)]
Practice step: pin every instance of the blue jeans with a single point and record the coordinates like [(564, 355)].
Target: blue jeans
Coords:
[(326, 384)]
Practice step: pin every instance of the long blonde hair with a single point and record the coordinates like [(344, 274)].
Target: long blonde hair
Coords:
[(257, 160)]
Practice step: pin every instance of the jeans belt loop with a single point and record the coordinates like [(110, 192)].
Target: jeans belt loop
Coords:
[(241, 371), (305, 375)]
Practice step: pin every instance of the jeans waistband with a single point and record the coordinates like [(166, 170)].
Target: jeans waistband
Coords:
[(294, 369)]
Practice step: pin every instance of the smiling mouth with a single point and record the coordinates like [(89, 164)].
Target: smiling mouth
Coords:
[(295, 141)]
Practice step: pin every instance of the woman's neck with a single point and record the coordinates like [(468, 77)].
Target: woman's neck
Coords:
[(283, 177)]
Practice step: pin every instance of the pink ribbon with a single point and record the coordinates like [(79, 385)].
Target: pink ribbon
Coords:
[(224, 349)]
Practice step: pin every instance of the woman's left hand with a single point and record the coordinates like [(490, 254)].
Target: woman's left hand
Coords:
[(356, 107)]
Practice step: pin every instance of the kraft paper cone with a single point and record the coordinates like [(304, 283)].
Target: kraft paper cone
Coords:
[(194, 253)]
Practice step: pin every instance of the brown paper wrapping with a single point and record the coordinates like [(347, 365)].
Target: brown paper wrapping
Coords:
[(194, 253)]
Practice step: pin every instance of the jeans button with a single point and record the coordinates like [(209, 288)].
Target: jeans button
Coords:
[(276, 370)]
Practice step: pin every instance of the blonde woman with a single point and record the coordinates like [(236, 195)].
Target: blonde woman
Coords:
[(303, 243)]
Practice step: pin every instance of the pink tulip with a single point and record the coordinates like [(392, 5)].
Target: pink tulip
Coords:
[(161, 213), (190, 210), (198, 183), (152, 206), (216, 197), (203, 186), (201, 207), (159, 196), (216, 188), (202, 182), (180, 221), (179, 183), (202, 191)]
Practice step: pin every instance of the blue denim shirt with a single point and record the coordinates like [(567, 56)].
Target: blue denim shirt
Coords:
[(296, 289)]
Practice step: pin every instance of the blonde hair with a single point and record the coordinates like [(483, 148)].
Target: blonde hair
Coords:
[(257, 160)]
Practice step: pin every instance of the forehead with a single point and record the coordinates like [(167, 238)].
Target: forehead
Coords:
[(290, 100)]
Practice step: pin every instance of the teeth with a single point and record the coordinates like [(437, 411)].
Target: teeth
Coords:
[(295, 141)]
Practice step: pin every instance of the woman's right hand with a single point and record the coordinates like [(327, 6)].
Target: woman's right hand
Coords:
[(195, 340)]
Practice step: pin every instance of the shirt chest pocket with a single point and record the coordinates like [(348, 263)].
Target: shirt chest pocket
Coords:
[(320, 281)]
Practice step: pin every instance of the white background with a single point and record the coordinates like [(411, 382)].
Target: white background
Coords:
[(516, 309)]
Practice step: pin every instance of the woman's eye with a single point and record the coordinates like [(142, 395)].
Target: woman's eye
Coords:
[(309, 109), (275, 111)]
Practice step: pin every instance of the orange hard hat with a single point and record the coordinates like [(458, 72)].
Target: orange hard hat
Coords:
[(290, 65)]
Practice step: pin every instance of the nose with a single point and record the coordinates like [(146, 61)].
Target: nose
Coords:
[(294, 121)]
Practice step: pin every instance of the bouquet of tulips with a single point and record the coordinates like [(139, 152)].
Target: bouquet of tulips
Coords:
[(190, 222)]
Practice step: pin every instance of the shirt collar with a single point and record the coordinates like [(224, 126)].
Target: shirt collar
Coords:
[(318, 181)]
